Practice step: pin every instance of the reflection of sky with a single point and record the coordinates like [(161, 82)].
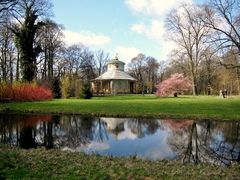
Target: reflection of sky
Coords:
[(94, 147), (126, 143), (161, 149)]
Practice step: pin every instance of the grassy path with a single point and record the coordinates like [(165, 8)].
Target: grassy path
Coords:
[(200, 107)]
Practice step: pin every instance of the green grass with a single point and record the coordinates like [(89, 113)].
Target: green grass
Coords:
[(200, 107), (54, 164)]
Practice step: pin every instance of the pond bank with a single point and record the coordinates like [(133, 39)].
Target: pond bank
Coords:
[(185, 107), (45, 164)]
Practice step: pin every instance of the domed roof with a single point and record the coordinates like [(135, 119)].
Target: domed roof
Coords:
[(115, 74), (115, 71), (115, 61)]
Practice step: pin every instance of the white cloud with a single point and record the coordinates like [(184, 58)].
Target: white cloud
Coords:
[(86, 37), (125, 54), (155, 30), (154, 12), (153, 7)]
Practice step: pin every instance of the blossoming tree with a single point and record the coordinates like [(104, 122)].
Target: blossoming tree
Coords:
[(174, 85)]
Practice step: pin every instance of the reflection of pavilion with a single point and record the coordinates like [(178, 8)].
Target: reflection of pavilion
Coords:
[(119, 128), (114, 125)]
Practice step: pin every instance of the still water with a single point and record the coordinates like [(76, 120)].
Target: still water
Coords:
[(216, 142)]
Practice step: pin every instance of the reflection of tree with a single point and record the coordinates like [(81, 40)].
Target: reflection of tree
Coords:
[(224, 148), (31, 131), (7, 129), (192, 149), (101, 133), (193, 141), (21, 129), (48, 134), (27, 138), (207, 141), (77, 131)]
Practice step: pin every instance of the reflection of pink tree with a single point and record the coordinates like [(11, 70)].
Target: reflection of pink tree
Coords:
[(177, 83)]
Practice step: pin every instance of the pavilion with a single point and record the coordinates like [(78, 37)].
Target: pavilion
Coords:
[(114, 80)]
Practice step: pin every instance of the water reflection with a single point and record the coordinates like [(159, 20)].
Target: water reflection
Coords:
[(186, 140)]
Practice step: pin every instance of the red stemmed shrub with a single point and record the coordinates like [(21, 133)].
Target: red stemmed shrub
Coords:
[(18, 92), (174, 85)]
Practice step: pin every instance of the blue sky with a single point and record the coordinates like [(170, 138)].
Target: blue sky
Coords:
[(126, 27)]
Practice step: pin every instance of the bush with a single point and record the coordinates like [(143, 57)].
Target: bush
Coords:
[(19, 92), (174, 85), (86, 92)]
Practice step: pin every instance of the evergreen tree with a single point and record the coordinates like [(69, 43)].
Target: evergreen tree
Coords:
[(86, 92), (56, 88)]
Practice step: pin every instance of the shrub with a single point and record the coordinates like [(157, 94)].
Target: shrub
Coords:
[(18, 92), (86, 92), (174, 85)]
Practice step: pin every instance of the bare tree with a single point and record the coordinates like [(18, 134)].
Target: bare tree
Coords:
[(51, 42), (223, 17), (7, 53), (5, 7), (101, 59), (137, 69), (152, 67), (190, 33)]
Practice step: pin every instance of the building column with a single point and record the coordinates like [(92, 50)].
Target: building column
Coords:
[(101, 89), (111, 87)]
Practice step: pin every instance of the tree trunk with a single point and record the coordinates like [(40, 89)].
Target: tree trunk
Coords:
[(17, 67), (194, 86), (238, 80), (10, 68)]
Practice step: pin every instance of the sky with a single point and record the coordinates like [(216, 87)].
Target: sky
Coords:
[(125, 27)]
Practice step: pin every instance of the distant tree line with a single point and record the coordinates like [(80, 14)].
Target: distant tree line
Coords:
[(207, 50), (207, 38), (208, 45), (32, 49)]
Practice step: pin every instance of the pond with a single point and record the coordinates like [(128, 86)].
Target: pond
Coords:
[(217, 142)]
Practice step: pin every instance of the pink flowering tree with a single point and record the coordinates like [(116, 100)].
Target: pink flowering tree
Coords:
[(174, 85)]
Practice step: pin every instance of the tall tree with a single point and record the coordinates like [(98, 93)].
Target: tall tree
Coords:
[(190, 34), (7, 52), (152, 67), (28, 17), (223, 17), (51, 41), (101, 59), (137, 69)]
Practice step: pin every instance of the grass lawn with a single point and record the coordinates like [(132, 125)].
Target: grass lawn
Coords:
[(200, 107), (54, 164)]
